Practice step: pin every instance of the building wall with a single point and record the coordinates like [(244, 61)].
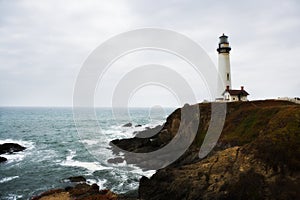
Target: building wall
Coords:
[(234, 98), (224, 72), (244, 98), (228, 97)]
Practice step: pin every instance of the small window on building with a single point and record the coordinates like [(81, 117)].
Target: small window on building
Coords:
[(227, 76)]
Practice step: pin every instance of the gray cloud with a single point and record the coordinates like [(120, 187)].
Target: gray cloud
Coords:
[(44, 43)]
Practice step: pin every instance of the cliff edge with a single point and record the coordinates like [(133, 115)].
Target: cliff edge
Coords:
[(256, 157)]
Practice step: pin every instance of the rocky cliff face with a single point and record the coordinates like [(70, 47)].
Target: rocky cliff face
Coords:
[(80, 191), (228, 174), (256, 157)]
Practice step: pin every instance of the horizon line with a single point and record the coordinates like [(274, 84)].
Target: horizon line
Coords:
[(32, 106)]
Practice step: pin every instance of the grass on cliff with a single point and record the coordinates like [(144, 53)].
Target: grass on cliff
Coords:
[(271, 128)]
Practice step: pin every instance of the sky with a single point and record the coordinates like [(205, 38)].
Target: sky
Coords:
[(43, 45)]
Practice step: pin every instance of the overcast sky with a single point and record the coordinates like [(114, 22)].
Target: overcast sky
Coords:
[(43, 44)]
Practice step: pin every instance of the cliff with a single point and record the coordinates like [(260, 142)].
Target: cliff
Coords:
[(256, 157)]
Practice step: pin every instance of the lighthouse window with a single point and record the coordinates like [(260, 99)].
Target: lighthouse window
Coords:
[(227, 76)]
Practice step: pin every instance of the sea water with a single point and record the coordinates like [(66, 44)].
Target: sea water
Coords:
[(55, 150)]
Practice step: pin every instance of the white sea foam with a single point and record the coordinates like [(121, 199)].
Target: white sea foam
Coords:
[(6, 179), (148, 173), (122, 171), (136, 170), (17, 156), (119, 132), (90, 142), (99, 182), (13, 197), (90, 166)]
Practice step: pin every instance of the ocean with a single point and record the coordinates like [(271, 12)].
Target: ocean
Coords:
[(56, 151)]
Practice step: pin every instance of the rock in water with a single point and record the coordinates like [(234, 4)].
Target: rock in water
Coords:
[(115, 160), (76, 179), (127, 125), (81, 191), (10, 148), (2, 159)]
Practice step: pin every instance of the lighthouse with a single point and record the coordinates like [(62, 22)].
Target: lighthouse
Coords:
[(224, 79)]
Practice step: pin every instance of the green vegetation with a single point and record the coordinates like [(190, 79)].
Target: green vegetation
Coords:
[(271, 127)]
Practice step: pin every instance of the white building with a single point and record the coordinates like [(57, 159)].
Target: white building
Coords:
[(235, 95), (295, 99), (224, 91)]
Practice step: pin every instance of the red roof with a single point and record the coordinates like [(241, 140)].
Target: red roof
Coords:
[(237, 92)]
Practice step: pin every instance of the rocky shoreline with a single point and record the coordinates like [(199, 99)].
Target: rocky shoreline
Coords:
[(81, 191), (256, 157)]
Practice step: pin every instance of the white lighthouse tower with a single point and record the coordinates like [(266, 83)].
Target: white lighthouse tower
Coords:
[(224, 79)]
